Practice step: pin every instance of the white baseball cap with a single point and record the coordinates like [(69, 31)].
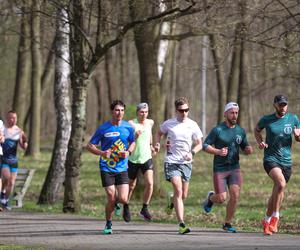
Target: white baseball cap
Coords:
[(231, 105)]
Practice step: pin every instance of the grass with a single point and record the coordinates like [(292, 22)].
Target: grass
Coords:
[(255, 192)]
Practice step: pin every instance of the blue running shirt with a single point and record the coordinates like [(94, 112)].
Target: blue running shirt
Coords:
[(117, 139), (279, 133), (222, 136)]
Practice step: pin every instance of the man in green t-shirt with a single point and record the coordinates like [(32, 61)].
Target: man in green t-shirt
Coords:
[(141, 157), (277, 155), (224, 141)]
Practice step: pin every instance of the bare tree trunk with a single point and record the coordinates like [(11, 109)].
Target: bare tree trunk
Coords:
[(147, 41), (219, 77), (35, 121), (23, 66), (56, 172), (233, 79), (79, 84)]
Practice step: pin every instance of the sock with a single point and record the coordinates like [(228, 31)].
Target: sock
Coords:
[(125, 206), (181, 224), (108, 224), (145, 206), (275, 214), (268, 218)]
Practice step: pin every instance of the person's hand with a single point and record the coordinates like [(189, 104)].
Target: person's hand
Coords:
[(262, 145), (223, 151), (123, 154), (296, 132), (157, 147), (153, 152), (189, 156), (106, 153), (248, 150)]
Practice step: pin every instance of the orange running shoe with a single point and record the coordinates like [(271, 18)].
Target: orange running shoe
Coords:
[(266, 227), (274, 224)]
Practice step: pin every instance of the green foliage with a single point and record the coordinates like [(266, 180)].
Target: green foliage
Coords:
[(130, 112), (251, 208)]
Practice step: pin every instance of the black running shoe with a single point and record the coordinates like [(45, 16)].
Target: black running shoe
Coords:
[(126, 213), (145, 214)]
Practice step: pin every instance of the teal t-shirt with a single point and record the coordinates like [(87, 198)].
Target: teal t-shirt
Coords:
[(279, 133), (222, 136)]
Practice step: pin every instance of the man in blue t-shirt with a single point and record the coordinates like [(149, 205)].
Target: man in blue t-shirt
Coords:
[(115, 139), (280, 126), (224, 142)]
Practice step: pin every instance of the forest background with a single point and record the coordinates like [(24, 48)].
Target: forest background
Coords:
[(63, 62)]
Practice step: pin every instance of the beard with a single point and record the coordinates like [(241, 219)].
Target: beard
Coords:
[(232, 122), (280, 113)]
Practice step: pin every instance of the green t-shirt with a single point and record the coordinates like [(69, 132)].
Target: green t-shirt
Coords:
[(142, 151), (279, 133), (222, 136)]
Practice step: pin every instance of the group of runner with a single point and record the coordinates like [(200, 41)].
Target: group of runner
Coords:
[(127, 147)]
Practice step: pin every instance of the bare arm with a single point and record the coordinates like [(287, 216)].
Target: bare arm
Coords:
[(297, 134), (259, 139), (23, 140), (158, 137), (197, 147), (215, 151)]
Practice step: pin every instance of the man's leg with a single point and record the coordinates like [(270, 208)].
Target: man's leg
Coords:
[(132, 185), (276, 198), (148, 177), (177, 197), (278, 190), (123, 191), (234, 193), (111, 199), (10, 184)]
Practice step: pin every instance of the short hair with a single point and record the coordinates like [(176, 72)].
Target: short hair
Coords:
[(181, 101), (12, 111), (115, 103)]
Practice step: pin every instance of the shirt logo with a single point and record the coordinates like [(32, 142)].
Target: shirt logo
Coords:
[(288, 130), (238, 139), (112, 134)]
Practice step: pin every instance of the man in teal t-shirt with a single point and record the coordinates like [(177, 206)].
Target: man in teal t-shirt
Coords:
[(224, 141), (277, 155)]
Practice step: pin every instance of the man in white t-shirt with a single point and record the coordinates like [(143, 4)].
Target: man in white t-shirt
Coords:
[(184, 140)]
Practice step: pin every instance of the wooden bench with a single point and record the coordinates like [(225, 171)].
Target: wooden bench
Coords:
[(22, 183)]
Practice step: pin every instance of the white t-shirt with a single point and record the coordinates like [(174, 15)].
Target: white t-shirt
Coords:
[(2, 132), (180, 137)]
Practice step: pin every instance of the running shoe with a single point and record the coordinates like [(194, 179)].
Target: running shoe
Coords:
[(117, 209), (4, 203), (274, 224), (184, 230), (107, 230), (228, 228), (126, 213), (266, 227), (144, 213), (170, 204), (207, 204)]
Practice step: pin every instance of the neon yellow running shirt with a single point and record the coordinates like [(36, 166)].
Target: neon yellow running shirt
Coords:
[(142, 151)]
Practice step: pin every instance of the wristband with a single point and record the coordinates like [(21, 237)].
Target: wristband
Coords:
[(193, 153)]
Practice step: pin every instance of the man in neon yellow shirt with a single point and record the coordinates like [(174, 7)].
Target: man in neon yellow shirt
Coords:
[(141, 157)]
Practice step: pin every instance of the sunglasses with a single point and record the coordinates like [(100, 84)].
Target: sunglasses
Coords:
[(183, 110)]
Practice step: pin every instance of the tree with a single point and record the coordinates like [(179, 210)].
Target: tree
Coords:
[(56, 171), (23, 65), (85, 58), (35, 120)]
